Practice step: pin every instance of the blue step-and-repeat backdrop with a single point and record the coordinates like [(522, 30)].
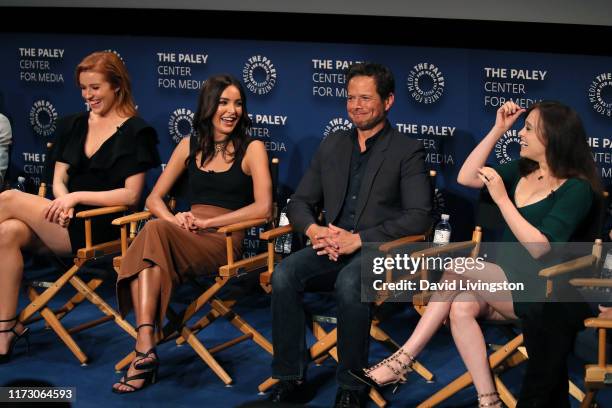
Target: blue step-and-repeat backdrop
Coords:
[(446, 97)]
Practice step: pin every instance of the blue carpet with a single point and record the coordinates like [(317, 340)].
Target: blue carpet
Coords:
[(185, 381)]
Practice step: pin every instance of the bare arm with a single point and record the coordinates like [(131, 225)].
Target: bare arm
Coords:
[(505, 118), (256, 163), (64, 203)]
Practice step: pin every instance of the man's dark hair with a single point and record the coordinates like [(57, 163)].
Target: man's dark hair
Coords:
[(385, 83)]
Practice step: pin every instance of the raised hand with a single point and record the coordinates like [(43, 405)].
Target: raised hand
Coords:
[(507, 114)]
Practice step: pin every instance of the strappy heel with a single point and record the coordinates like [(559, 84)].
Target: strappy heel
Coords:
[(394, 364), (495, 403), (149, 377), (25, 334), (153, 362)]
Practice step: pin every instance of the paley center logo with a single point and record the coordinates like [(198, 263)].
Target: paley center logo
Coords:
[(43, 117), (425, 83), (600, 94), (508, 147), (259, 74), (337, 124), (180, 124)]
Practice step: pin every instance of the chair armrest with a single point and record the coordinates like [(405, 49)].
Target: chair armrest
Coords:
[(242, 225), (139, 216), (592, 282), (276, 232), (101, 211), (569, 266), (396, 243), (455, 246), (598, 323)]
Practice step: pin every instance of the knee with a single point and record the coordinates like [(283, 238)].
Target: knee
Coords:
[(7, 197), (283, 276), (12, 232), (348, 287), (463, 309)]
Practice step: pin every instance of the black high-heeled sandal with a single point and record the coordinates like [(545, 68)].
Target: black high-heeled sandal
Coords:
[(25, 334), (153, 362), (149, 377), (399, 371)]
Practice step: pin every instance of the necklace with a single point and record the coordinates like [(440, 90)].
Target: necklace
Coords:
[(220, 146)]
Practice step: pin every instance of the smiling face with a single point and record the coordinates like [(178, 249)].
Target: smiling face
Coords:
[(228, 114), (532, 140), (97, 92), (364, 105)]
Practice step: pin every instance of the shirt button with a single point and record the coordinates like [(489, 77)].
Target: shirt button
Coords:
[(354, 197), (352, 215)]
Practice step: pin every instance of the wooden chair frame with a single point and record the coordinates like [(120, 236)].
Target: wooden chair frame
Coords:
[(86, 291), (177, 328), (513, 352), (325, 346), (595, 374)]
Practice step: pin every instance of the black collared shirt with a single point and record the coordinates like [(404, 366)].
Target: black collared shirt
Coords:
[(359, 160)]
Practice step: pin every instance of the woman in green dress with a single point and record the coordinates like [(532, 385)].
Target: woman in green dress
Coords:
[(542, 197)]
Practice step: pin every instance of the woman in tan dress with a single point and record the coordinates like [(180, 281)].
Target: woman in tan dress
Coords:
[(229, 182)]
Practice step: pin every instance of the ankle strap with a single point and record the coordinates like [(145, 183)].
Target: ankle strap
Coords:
[(12, 328), (493, 403), (145, 325), (489, 394)]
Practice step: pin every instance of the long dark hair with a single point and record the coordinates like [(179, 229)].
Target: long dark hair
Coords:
[(203, 128), (567, 152)]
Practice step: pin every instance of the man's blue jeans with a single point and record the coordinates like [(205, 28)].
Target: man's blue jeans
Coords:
[(297, 274)]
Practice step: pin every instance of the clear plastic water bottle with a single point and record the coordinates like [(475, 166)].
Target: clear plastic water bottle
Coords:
[(606, 270), (442, 232), (20, 185), (283, 243)]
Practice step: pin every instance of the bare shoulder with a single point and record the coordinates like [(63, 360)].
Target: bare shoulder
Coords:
[(257, 150)]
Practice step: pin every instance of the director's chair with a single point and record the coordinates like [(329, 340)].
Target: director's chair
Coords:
[(513, 352), (85, 291), (177, 327)]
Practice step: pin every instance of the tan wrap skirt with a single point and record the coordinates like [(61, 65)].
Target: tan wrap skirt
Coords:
[(178, 253)]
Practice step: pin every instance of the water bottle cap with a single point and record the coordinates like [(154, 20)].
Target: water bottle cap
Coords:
[(445, 217), (20, 179)]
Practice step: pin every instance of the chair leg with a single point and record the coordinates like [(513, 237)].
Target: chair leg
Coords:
[(59, 329), (242, 325), (104, 307), (205, 321), (43, 298), (267, 384), (588, 399), (465, 379), (205, 355), (77, 299), (576, 392), (504, 393)]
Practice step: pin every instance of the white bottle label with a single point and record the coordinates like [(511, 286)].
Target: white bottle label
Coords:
[(441, 237), (608, 261), (283, 220)]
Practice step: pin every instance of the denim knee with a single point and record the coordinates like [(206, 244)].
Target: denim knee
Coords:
[(348, 287), (283, 277)]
